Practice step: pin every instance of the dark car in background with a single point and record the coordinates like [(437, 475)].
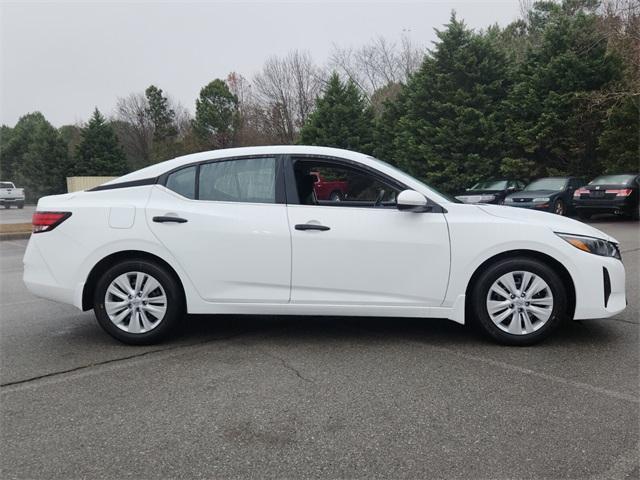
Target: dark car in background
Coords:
[(490, 191), (551, 194), (617, 194)]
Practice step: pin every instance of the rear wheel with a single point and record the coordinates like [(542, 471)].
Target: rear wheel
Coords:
[(6, 205), (138, 302), (519, 301), (21, 205)]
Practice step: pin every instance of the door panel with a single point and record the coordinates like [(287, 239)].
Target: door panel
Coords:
[(373, 256), (232, 251)]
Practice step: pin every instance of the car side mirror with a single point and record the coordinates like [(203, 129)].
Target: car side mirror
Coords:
[(412, 201)]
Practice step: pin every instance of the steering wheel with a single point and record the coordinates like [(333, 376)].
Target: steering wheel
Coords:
[(379, 198)]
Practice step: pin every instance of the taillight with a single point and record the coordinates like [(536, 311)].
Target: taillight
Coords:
[(47, 221), (580, 191), (624, 192)]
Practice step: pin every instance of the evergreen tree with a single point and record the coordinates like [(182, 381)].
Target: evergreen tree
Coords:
[(99, 152), (216, 115), (162, 117), (342, 119), (34, 156), (619, 144), (552, 120), (448, 129)]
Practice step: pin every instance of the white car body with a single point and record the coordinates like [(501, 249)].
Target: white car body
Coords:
[(247, 258)]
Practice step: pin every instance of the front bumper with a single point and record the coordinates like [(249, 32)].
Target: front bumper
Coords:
[(544, 207), (600, 287)]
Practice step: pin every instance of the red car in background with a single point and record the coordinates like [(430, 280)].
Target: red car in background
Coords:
[(333, 190)]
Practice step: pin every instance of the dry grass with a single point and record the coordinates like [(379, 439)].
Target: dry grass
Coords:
[(15, 228)]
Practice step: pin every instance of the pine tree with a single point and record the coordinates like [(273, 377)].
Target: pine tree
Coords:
[(448, 128), (216, 115), (99, 152), (552, 119), (34, 156), (342, 119), (162, 117)]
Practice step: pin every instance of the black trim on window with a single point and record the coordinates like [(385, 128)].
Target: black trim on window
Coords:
[(132, 183)]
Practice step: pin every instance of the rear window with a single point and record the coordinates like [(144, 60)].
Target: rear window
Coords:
[(183, 182), (612, 180)]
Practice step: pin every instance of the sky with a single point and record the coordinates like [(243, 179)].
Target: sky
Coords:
[(66, 58)]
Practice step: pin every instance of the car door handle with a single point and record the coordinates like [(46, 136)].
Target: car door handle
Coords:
[(165, 219), (312, 226)]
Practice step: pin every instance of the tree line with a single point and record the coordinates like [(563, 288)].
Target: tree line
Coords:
[(555, 92)]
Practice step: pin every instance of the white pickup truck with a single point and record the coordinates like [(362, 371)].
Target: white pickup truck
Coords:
[(10, 195)]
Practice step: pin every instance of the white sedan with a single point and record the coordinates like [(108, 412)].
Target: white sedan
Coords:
[(247, 231)]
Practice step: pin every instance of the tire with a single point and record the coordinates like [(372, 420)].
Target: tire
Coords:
[(7, 206), (559, 208), (21, 206), (336, 196), (635, 214), (512, 330), (584, 215), (152, 323)]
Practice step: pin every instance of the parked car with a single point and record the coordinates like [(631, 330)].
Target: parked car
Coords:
[(618, 194), (491, 191), (239, 231), (551, 194), (333, 190), (10, 195)]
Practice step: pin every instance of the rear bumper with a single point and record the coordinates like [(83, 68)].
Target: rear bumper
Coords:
[(41, 282), (605, 206), (12, 200)]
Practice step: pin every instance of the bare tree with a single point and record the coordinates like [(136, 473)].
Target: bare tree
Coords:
[(286, 90), (135, 129), (378, 64)]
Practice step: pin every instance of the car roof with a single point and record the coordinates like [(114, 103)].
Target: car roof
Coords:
[(158, 169)]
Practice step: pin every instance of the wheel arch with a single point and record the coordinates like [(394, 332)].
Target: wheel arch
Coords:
[(532, 254), (105, 263)]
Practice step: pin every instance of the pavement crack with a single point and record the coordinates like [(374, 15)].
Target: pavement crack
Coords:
[(288, 366), (116, 360)]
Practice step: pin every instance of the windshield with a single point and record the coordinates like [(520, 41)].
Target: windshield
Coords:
[(612, 180), (393, 167), (6, 185), (555, 184), (490, 185)]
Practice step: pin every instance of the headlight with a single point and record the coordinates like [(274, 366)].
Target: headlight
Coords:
[(508, 200), (541, 199), (487, 198), (597, 246)]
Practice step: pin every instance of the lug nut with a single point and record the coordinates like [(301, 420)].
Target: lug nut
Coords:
[(513, 296)]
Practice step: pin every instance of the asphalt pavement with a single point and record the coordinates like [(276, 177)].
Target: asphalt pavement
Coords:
[(293, 397), (17, 215)]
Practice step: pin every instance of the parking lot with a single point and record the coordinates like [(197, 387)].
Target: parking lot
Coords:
[(17, 215), (290, 397)]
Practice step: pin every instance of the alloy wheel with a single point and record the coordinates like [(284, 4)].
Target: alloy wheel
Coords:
[(135, 302), (559, 210), (519, 302)]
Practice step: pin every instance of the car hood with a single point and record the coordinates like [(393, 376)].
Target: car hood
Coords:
[(555, 222), (480, 192), (534, 193)]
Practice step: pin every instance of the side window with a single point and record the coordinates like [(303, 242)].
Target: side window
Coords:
[(243, 180), (332, 183), (183, 182)]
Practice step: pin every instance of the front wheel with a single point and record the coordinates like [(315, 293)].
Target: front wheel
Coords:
[(519, 301), (138, 302), (559, 208)]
